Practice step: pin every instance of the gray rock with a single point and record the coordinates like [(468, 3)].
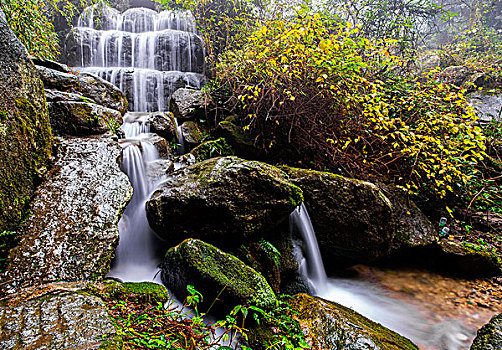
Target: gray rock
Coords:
[(456, 75), (489, 337), (412, 228), (50, 64), (159, 168), (62, 320), (353, 221), (161, 145), (328, 325), (81, 118), (25, 134), (188, 104), (72, 230), (220, 277), (224, 200), (88, 85), (240, 141), (161, 123), (57, 96), (192, 136), (488, 106)]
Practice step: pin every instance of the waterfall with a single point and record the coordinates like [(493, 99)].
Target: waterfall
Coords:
[(148, 55), (315, 272), (372, 302)]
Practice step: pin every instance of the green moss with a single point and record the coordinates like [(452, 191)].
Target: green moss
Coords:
[(141, 292), (211, 149)]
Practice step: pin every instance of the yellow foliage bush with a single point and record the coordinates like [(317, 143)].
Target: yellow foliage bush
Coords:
[(347, 105)]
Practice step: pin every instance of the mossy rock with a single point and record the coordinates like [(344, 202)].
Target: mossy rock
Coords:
[(192, 135), (143, 292), (489, 337), (212, 149), (328, 325), (224, 200), (25, 133), (82, 118), (353, 220), (241, 142), (223, 280)]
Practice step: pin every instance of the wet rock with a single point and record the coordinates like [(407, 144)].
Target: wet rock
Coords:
[(456, 75), (25, 134), (42, 62), (467, 259), (55, 320), (87, 85), (188, 104), (412, 228), (240, 141), (489, 337), (82, 118), (61, 96), (222, 199), (71, 231), (159, 168), (211, 272), (161, 123), (212, 149), (487, 105), (161, 145), (353, 220), (192, 136), (328, 325)]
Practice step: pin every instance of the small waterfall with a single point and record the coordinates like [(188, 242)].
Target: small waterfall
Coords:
[(135, 257), (315, 272), (363, 297)]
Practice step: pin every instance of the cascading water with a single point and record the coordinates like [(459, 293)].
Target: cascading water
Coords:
[(135, 257), (370, 301), (148, 55)]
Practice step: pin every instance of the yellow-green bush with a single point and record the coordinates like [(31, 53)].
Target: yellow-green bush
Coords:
[(347, 105)]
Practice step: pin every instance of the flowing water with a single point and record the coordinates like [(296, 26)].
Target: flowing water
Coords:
[(416, 321)]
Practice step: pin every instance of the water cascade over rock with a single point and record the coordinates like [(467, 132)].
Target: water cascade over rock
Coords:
[(148, 55)]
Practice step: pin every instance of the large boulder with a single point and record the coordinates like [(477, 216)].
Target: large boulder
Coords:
[(88, 85), (25, 133), (221, 278), (241, 141), (83, 118), (353, 220), (188, 104), (72, 230), (63, 318), (225, 199), (328, 325), (489, 337), (192, 135)]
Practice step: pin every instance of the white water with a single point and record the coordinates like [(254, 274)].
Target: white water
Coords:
[(148, 55), (136, 258), (370, 301)]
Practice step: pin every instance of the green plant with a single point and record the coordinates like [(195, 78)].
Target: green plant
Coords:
[(273, 253), (31, 22)]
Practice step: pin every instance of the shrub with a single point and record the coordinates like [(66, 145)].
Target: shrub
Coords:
[(347, 105)]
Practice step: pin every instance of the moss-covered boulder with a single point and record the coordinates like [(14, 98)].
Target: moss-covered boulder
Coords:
[(192, 135), (83, 118), (328, 325), (25, 134), (241, 142), (352, 219), (88, 85), (221, 278), (212, 149), (188, 104), (225, 200), (489, 337)]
